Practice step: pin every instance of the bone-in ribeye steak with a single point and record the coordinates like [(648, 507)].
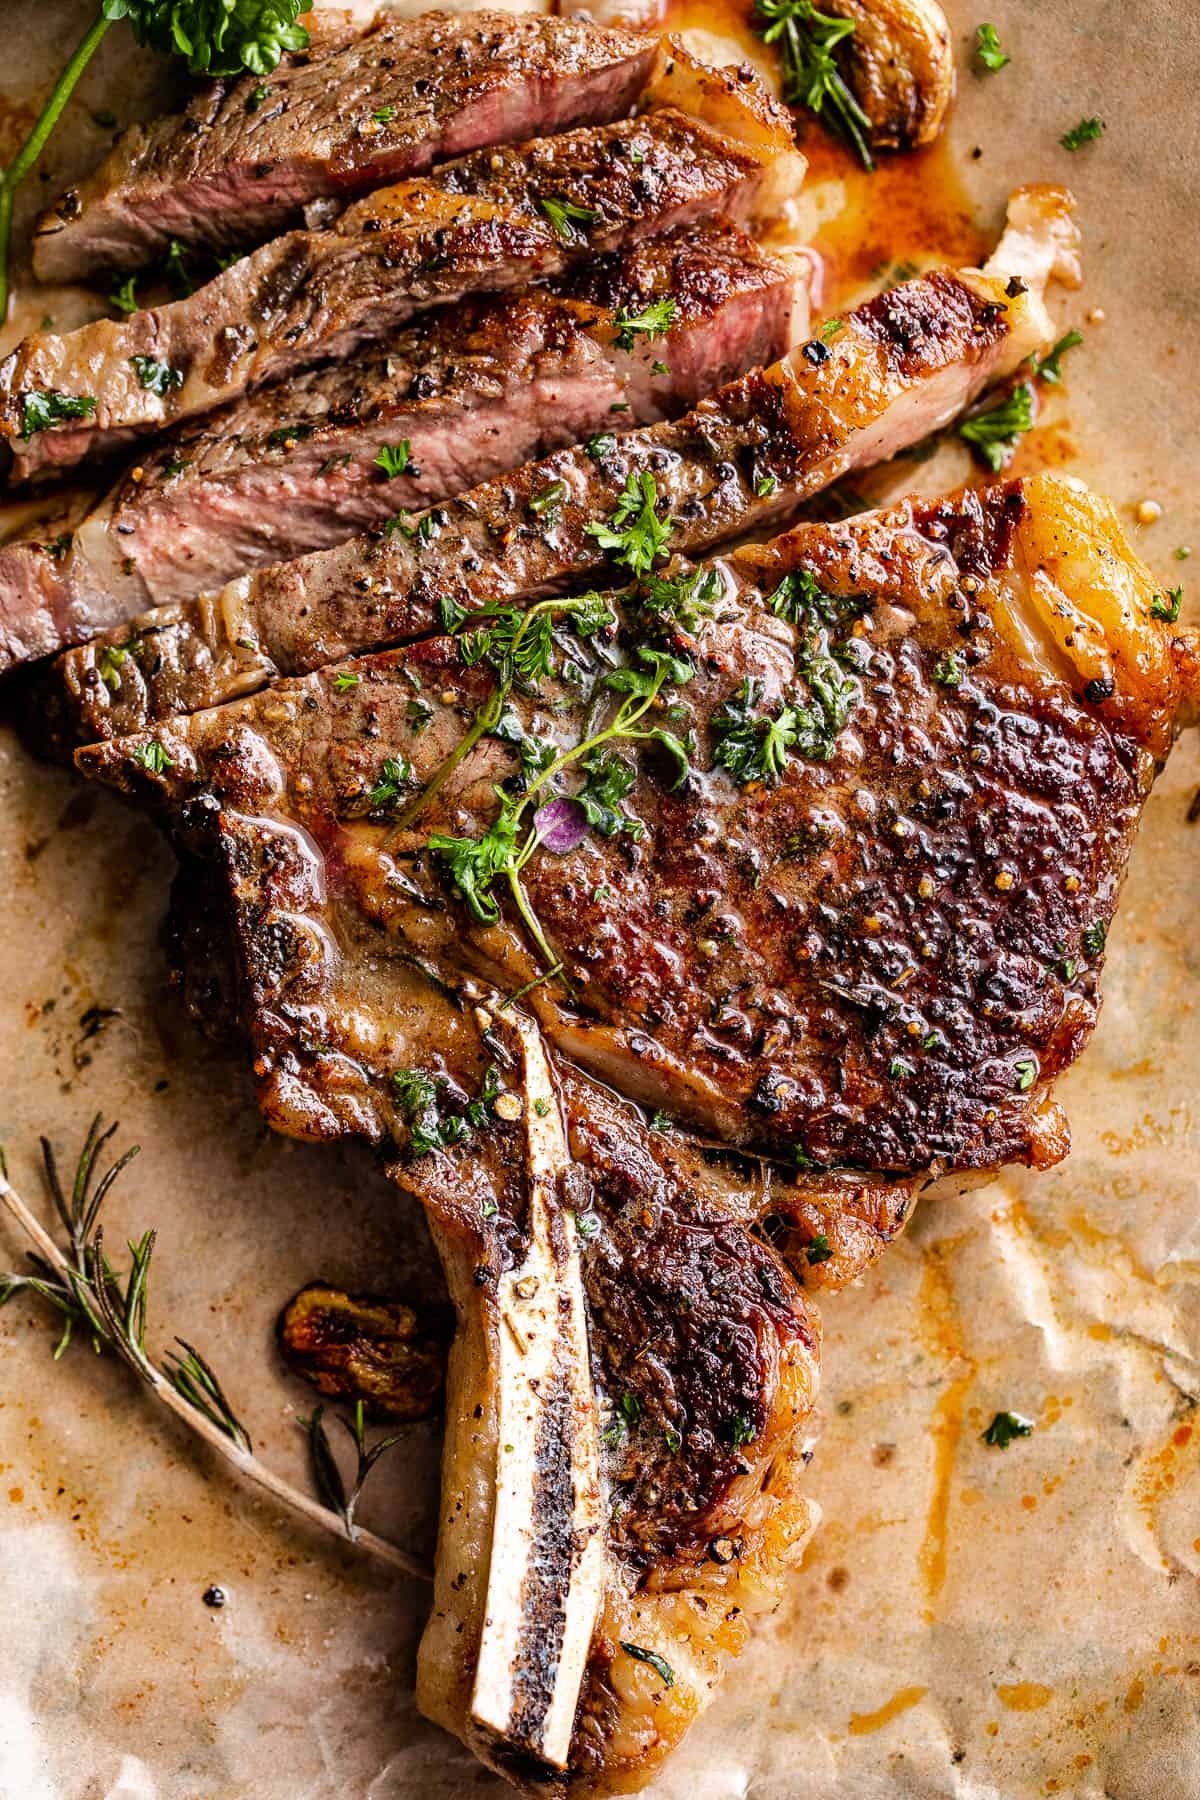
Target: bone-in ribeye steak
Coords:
[(493, 220), (867, 928), (904, 364), (363, 106), (470, 390)]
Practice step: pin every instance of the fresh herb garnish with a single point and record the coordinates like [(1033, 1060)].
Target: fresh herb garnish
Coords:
[(1086, 132), (757, 746), (599, 447), (48, 407), (286, 437), (661, 1667), (738, 1431), (394, 774), (993, 434), (418, 1097), (383, 115), (1025, 1074), (947, 670), (395, 459), (609, 778), (217, 39), (108, 666), (152, 756), (123, 295), (1049, 367), (831, 328), (1094, 938), (818, 1251), (653, 321), (92, 1296), (1004, 1428), (807, 40), (634, 534), (547, 504), (566, 220), (343, 681), (1167, 609), (987, 48), (156, 377), (682, 600)]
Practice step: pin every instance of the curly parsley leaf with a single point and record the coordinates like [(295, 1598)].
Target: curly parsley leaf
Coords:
[(653, 321), (988, 48), (1086, 132), (634, 534), (46, 407), (993, 434)]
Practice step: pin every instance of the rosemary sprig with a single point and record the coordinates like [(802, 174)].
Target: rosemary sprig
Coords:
[(807, 40), (327, 1475), (84, 1287)]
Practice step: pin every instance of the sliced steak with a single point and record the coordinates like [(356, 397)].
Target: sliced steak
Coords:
[(458, 396), (864, 927), (361, 107), (902, 365), (493, 220)]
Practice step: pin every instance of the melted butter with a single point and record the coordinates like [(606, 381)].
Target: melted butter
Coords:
[(861, 1724)]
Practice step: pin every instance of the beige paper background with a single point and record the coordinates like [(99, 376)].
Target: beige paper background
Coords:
[(983, 1624)]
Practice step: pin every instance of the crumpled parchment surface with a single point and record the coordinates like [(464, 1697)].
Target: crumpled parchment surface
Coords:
[(970, 1622)]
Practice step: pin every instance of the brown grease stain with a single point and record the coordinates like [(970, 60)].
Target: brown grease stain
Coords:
[(1025, 1696), (941, 1333), (861, 1724)]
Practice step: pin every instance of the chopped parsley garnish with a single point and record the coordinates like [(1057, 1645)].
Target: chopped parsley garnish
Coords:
[(567, 221), (1086, 132), (1167, 609), (285, 436), (152, 756), (394, 774), (1049, 367), (807, 40), (418, 1098), (634, 535), (156, 377), (1094, 937), (831, 328), (765, 486), (993, 434), (738, 1431), (661, 1667), (1025, 1074), (609, 778), (56, 548), (395, 459), (383, 115), (49, 407), (343, 681), (124, 295), (1004, 1428), (653, 321), (818, 1251), (682, 599), (109, 665), (757, 746), (257, 96), (599, 447), (987, 48), (947, 670)]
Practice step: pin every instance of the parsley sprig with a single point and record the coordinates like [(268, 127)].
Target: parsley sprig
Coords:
[(653, 321), (807, 40), (994, 433), (634, 534), (218, 37), (476, 864)]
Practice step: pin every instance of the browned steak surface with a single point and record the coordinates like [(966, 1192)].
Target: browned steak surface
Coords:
[(492, 220), (903, 364), (449, 401), (363, 106), (872, 942)]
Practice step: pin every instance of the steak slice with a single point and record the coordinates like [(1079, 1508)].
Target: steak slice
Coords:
[(362, 107), (471, 390), (903, 365), (492, 220), (866, 929)]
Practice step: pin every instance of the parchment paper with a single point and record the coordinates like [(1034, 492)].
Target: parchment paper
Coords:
[(972, 1622)]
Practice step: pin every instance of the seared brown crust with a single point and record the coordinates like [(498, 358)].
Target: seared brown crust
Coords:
[(360, 108), (882, 961), (474, 225), (473, 390), (744, 457)]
